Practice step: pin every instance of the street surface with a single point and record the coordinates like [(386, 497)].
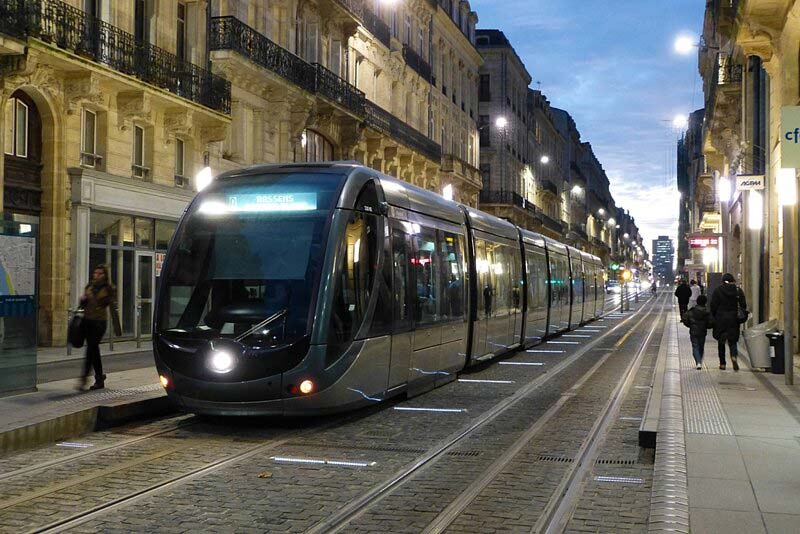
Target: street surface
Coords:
[(524, 443)]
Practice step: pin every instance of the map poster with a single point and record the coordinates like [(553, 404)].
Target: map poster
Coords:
[(17, 275)]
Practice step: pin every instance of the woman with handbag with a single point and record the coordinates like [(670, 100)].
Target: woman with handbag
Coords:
[(729, 309), (97, 300)]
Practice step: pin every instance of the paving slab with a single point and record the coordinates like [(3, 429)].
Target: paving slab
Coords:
[(716, 465), (713, 521), (782, 523)]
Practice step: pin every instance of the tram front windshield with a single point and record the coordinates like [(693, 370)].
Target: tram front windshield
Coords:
[(247, 258)]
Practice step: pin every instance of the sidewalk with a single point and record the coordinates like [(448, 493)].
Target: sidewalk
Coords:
[(58, 411), (59, 354), (741, 434)]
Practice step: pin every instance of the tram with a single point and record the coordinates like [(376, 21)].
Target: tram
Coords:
[(307, 289)]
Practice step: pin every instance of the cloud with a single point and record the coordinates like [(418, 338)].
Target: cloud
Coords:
[(654, 207)]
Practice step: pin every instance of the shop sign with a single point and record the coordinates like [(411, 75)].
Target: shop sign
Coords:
[(748, 182), (703, 241), (790, 137)]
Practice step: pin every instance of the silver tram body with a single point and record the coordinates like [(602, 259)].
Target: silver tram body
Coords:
[(355, 286)]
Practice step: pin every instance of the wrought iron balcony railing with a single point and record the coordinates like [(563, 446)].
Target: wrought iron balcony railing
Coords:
[(338, 90), (417, 62), (383, 121), (377, 27), (229, 33), (728, 71), (551, 223), (548, 185), (74, 30), (507, 198)]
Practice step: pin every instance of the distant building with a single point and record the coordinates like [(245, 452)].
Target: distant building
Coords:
[(663, 256)]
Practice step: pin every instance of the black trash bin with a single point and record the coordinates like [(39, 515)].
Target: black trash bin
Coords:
[(778, 360)]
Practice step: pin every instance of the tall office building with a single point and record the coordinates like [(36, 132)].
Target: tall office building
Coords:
[(663, 257)]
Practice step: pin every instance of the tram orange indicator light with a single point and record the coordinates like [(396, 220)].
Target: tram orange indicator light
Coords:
[(164, 381), (306, 387)]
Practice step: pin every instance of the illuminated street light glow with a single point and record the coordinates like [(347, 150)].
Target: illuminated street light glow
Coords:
[(723, 189), (787, 187), (680, 122), (601, 211), (755, 220), (710, 256), (545, 159), (577, 190), (612, 221), (203, 178), (684, 44), (501, 122)]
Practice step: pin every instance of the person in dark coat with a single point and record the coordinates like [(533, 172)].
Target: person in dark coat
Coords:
[(725, 304), (98, 299), (684, 294), (699, 320)]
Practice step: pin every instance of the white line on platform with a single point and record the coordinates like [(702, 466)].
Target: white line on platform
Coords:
[(521, 363), (74, 445), (630, 418), (563, 342), (546, 351), (620, 480), (322, 461), (575, 335), (445, 410), (471, 381)]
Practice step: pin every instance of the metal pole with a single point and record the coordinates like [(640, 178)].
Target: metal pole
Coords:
[(788, 291)]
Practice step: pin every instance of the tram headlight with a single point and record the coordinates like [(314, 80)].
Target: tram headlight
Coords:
[(306, 387), (221, 362)]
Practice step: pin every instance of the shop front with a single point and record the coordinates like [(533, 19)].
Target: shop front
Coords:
[(126, 225)]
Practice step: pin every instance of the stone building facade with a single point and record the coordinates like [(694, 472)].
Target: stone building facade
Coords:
[(122, 104), (748, 59)]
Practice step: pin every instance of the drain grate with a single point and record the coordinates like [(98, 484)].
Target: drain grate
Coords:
[(551, 458), (614, 461), (464, 453)]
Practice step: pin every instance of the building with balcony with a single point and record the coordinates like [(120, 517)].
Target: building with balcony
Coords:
[(748, 62), (110, 109), (693, 185), (107, 109)]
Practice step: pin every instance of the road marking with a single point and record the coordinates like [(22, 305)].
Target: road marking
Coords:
[(564, 342), (471, 381), (521, 363), (575, 335), (620, 480), (546, 351), (322, 461), (444, 410)]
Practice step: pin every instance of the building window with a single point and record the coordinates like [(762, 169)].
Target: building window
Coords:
[(180, 46), (393, 22), (89, 156), (336, 57), (485, 90), (138, 167), (16, 134), (407, 34), (180, 164), (317, 148)]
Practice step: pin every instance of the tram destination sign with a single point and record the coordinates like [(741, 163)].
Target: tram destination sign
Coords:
[(748, 182), (265, 202)]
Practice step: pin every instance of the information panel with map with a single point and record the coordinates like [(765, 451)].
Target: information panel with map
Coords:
[(17, 307)]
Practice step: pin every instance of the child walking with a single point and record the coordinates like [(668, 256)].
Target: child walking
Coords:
[(699, 321)]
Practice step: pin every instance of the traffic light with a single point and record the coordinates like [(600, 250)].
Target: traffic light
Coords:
[(626, 275), (614, 266)]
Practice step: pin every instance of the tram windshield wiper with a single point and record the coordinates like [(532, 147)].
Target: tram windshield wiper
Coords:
[(262, 324)]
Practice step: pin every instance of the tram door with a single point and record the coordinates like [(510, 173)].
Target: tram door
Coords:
[(403, 295), (145, 277)]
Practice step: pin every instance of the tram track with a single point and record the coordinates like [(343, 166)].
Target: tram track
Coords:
[(354, 509)]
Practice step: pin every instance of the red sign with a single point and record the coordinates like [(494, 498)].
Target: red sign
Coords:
[(703, 241)]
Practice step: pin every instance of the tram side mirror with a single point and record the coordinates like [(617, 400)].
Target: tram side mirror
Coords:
[(383, 208)]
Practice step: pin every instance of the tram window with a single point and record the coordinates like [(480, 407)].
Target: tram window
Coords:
[(426, 270), (516, 279), (382, 316), (368, 198), (499, 261), (452, 280), (400, 263), (355, 276), (484, 282)]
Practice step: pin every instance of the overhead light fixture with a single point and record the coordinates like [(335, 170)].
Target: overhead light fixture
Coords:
[(545, 159), (501, 122), (684, 44)]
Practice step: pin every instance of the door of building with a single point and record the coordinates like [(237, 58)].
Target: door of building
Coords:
[(144, 278)]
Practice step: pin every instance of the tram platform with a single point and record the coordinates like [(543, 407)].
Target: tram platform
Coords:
[(728, 444), (58, 411)]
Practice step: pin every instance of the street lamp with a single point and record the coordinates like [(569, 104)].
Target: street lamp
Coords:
[(545, 159), (684, 44), (612, 222), (680, 122), (577, 190), (501, 122), (601, 212)]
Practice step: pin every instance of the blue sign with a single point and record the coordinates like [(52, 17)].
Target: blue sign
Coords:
[(17, 305)]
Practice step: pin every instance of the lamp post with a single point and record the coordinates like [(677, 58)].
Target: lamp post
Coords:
[(787, 198)]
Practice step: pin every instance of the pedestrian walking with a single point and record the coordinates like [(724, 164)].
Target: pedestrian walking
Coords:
[(695, 289), (729, 310), (98, 299), (698, 320), (684, 294)]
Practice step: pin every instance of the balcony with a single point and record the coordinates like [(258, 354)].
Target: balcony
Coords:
[(506, 198), (579, 231), (71, 29), (453, 164), (418, 63), (551, 223), (381, 120), (229, 33), (369, 19), (548, 185)]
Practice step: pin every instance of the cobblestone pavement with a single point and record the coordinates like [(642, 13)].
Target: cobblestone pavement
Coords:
[(265, 492)]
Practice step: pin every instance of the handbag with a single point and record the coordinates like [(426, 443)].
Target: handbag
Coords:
[(741, 313), (75, 331)]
